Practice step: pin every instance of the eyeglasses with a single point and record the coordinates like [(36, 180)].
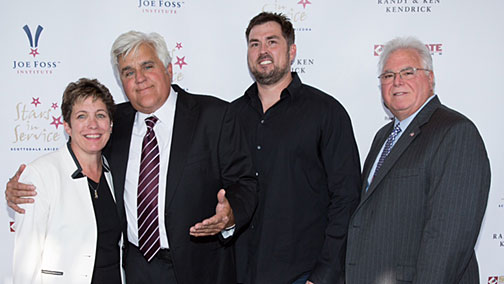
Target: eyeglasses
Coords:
[(405, 74)]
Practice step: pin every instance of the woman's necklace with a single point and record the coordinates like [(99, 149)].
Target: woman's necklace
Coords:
[(94, 189)]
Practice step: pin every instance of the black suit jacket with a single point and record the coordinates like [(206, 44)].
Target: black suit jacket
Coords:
[(420, 218), (208, 153)]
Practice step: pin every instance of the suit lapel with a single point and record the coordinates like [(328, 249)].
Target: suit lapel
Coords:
[(119, 150), (373, 153), (408, 136), (184, 125)]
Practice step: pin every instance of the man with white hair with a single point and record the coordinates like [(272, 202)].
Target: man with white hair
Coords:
[(426, 182), (173, 156)]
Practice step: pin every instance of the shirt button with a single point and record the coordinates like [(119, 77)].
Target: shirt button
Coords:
[(259, 147)]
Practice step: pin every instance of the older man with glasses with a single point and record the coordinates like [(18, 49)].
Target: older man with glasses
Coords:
[(426, 181)]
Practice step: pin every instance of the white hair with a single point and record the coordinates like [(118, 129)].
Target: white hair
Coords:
[(130, 41), (405, 43)]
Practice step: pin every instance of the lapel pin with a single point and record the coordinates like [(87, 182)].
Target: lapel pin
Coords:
[(412, 134)]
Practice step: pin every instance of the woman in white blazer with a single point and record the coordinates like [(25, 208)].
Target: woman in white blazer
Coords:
[(71, 233)]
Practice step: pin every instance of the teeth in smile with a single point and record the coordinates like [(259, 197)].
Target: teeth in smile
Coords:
[(266, 62), (93, 136)]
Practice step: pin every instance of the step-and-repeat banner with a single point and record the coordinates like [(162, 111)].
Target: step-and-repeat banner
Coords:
[(47, 44)]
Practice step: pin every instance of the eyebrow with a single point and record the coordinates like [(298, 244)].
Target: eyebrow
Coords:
[(148, 62), (402, 69), (86, 112), (267, 38), (273, 37), (142, 64), (126, 69)]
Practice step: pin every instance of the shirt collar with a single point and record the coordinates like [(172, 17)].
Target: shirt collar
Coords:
[(291, 91), (405, 122), (294, 86), (78, 172), (163, 113)]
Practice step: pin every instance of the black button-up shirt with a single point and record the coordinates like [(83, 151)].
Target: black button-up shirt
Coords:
[(308, 169)]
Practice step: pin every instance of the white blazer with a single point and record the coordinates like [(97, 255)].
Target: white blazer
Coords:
[(56, 237)]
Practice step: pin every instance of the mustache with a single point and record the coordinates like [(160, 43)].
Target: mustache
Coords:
[(265, 56)]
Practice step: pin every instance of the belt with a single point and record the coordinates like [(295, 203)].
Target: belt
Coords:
[(163, 253)]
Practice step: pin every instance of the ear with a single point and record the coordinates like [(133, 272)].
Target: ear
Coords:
[(169, 71), (68, 129), (431, 79), (292, 52)]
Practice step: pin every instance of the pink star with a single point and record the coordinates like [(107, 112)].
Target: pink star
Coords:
[(179, 45), (36, 101), (304, 3), (181, 62), (56, 121), (54, 105), (34, 52)]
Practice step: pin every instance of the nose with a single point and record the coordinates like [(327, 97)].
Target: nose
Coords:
[(92, 122), (263, 49), (139, 76), (398, 80)]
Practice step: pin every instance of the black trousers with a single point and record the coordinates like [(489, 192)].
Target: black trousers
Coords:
[(158, 270)]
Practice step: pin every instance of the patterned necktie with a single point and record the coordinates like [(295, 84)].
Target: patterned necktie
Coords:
[(147, 199), (388, 147)]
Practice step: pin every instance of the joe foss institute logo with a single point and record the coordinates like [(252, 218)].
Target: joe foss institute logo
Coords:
[(33, 41), (160, 6), (33, 64)]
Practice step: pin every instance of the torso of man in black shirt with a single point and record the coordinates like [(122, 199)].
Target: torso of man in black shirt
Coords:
[(308, 168)]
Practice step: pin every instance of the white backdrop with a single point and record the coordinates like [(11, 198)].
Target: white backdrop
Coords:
[(338, 43)]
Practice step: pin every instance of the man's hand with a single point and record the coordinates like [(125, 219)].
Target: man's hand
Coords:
[(222, 219), (309, 282), (16, 192)]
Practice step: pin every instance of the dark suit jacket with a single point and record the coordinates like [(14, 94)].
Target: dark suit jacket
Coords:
[(207, 153), (420, 218)]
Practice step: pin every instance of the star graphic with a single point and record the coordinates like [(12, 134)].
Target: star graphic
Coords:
[(56, 121), (304, 3), (179, 45), (181, 62), (54, 105), (34, 52), (36, 101)]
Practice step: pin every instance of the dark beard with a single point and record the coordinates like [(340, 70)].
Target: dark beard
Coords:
[(269, 78), (273, 76)]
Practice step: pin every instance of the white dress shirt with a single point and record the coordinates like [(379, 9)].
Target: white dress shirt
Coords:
[(163, 130)]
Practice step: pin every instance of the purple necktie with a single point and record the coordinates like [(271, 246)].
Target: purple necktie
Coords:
[(147, 199), (388, 147)]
